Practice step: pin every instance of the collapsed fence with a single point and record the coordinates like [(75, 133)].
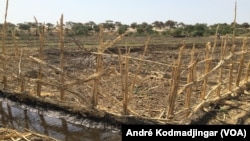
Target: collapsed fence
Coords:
[(122, 84)]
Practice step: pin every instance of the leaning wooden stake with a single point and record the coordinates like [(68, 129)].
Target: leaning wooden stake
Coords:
[(207, 68), (15, 43), (4, 46), (20, 74), (190, 78), (241, 65), (247, 72), (41, 31), (215, 39), (18, 54), (124, 79), (140, 64), (174, 84), (223, 47), (231, 66), (61, 45), (234, 23), (99, 65)]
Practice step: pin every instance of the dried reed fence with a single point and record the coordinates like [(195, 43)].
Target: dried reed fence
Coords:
[(122, 84), (10, 134)]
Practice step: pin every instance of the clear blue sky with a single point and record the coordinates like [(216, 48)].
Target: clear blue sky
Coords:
[(126, 11)]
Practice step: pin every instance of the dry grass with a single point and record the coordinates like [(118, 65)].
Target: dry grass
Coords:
[(7, 134)]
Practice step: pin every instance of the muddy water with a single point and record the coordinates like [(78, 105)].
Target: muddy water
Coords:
[(55, 124)]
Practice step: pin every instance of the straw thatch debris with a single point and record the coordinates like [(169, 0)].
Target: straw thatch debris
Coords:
[(8, 134)]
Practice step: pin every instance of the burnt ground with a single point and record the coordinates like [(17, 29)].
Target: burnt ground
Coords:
[(149, 94)]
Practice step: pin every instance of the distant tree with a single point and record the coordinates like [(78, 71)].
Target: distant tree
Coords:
[(144, 28), (11, 25), (158, 24), (96, 28), (199, 29), (33, 24), (23, 26), (109, 25), (170, 23), (69, 24), (49, 27), (189, 28), (245, 25), (133, 25), (144, 25), (181, 24), (118, 24), (90, 25), (178, 32), (122, 29), (80, 29), (225, 28), (236, 24), (68, 28)]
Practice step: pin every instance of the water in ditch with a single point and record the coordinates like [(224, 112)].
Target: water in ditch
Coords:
[(55, 124)]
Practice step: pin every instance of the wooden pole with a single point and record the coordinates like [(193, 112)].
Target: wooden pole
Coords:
[(247, 72), (190, 79), (223, 47), (4, 46), (41, 30), (61, 45), (99, 65), (241, 65), (174, 84), (124, 79), (234, 23), (207, 68)]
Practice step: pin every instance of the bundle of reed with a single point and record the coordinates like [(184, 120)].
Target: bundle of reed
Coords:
[(8, 134)]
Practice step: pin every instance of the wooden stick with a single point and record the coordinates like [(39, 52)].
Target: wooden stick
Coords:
[(234, 23), (61, 45), (190, 79), (15, 43), (20, 75), (241, 65), (199, 79), (124, 78), (4, 45), (207, 68), (175, 83), (216, 99), (215, 39), (223, 47), (41, 39), (247, 71), (140, 64), (99, 65), (41, 62), (231, 66), (91, 77)]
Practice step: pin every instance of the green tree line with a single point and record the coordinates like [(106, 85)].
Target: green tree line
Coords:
[(168, 28)]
